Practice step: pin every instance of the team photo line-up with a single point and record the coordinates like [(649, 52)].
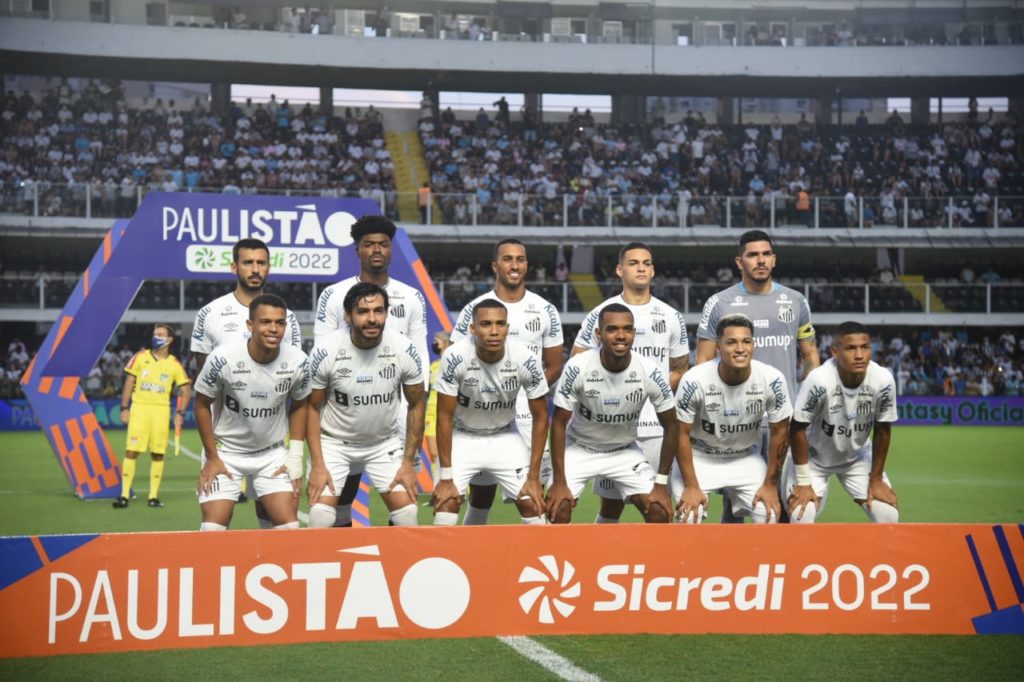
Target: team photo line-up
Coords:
[(629, 413)]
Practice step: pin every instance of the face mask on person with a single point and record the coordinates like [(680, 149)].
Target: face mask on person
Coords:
[(159, 342)]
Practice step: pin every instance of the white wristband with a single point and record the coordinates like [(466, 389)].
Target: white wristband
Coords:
[(803, 474), (661, 479), (296, 452), (446, 474)]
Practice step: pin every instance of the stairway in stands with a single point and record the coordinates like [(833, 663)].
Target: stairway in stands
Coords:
[(916, 286), (410, 173), (587, 290)]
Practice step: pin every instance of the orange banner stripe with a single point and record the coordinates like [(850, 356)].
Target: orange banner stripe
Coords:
[(68, 386), (85, 283), (26, 377), (40, 550), (45, 384), (107, 243), (432, 298), (360, 508), (65, 323)]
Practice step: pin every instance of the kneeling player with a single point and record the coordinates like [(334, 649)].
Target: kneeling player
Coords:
[(839, 404), (254, 380), (357, 373), (476, 412), (720, 405), (603, 391)]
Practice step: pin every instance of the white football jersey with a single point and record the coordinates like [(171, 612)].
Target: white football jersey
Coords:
[(607, 406), (407, 313), (727, 419), (486, 393), (660, 335), (363, 384), (531, 320), (841, 418), (254, 396), (223, 321)]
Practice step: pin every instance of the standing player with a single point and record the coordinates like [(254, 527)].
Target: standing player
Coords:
[(839, 404), (720, 406), (152, 377), (357, 375), (531, 320), (781, 319), (604, 391), (407, 314), (660, 337), (223, 320), (476, 412), (253, 381)]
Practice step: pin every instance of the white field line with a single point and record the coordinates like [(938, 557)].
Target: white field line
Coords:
[(548, 659)]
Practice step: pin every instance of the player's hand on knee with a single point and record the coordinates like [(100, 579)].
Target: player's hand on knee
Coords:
[(212, 468), (798, 500), (691, 505), (559, 495), (880, 490), (768, 495), (405, 479), (659, 498), (534, 494), (445, 493), (319, 480)]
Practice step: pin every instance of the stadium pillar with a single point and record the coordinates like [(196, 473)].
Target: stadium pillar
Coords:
[(327, 100), (726, 110), (629, 109), (822, 110), (1015, 106), (919, 112), (220, 98), (534, 103)]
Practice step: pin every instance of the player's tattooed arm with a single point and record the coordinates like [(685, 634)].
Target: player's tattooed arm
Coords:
[(415, 396), (809, 355), (677, 368)]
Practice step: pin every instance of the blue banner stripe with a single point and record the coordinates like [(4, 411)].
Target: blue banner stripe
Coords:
[(981, 574), (1011, 565)]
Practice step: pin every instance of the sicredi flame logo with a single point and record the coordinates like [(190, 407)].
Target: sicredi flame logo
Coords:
[(554, 589)]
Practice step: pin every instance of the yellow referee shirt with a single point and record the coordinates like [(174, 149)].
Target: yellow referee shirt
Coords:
[(154, 378)]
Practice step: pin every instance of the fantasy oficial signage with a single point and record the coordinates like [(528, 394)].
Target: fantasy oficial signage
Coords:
[(120, 592), (180, 236)]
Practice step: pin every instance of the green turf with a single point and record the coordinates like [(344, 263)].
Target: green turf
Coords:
[(941, 474)]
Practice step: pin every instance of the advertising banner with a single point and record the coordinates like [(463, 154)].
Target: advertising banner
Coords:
[(960, 410), (120, 592), (186, 236), (17, 415)]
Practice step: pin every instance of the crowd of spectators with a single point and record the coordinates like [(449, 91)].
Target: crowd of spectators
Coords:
[(861, 174), (952, 362), (58, 142)]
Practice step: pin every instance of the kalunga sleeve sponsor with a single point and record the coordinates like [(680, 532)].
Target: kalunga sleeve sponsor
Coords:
[(565, 396), (586, 338), (211, 379), (450, 375), (812, 397), (301, 380), (709, 319), (689, 398), (532, 377), (411, 365), (778, 398), (326, 320), (553, 338), (201, 341)]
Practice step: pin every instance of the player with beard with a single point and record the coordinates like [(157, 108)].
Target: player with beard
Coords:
[(531, 320), (781, 317), (223, 320)]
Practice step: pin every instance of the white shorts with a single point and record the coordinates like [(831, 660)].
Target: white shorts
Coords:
[(503, 455), (737, 477), (606, 488), (380, 460), (257, 469), (524, 425), (853, 476), (626, 469)]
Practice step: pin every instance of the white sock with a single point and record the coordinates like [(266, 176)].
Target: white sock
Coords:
[(265, 524), (287, 526), (406, 516), (810, 513), (533, 521), (604, 519), (206, 525), (475, 517), (881, 512), (321, 515), (446, 519), (343, 516)]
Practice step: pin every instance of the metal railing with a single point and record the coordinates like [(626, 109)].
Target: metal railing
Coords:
[(590, 209), (48, 291)]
